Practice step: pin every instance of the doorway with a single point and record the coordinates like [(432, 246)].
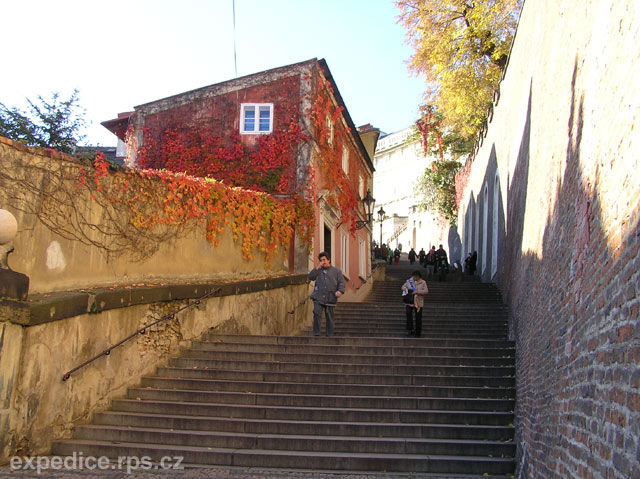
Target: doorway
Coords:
[(327, 241)]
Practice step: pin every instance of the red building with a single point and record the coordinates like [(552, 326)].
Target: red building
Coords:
[(285, 131)]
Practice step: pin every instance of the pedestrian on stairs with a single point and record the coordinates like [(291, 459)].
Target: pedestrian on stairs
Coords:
[(430, 262), (418, 287), (442, 263), (329, 287)]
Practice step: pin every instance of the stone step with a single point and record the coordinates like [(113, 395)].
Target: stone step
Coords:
[(397, 333), (427, 333), (294, 459), (315, 414), (429, 330), (462, 308), (316, 428), (294, 442), (432, 366), (328, 358), (336, 341), (334, 378), (431, 348), (305, 388), (323, 400), (452, 322)]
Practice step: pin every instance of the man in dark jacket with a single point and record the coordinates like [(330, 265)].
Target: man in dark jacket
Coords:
[(442, 263), (329, 287)]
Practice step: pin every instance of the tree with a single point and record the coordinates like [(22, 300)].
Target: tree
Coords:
[(439, 141), (461, 46), (52, 124), (437, 188)]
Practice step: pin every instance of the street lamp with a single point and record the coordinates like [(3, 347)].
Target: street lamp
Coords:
[(381, 214), (368, 201)]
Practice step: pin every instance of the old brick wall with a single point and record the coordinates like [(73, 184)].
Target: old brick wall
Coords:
[(220, 111), (561, 151)]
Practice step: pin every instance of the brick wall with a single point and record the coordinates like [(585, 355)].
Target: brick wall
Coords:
[(220, 112), (563, 144)]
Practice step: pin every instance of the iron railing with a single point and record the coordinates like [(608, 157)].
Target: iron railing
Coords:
[(142, 330)]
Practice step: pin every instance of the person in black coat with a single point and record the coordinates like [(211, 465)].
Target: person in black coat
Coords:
[(412, 256), (473, 260)]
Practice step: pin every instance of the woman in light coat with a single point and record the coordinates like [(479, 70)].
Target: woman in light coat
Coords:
[(418, 287)]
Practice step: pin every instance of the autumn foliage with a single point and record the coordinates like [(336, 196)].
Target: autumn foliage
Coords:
[(461, 47), (159, 198), (191, 172)]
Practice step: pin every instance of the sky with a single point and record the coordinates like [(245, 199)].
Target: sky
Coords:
[(124, 53)]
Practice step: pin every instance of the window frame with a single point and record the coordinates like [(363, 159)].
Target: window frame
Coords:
[(362, 258), (256, 106), (344, 253), (329, 125), (345, 160)]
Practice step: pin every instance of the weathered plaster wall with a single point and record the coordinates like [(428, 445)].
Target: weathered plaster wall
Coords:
[(55, 263), (564, 142), (36, 406)]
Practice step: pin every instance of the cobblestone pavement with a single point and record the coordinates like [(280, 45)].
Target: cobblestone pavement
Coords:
[(214, 473)]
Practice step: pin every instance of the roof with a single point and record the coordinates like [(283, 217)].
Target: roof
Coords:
[(118, 126)]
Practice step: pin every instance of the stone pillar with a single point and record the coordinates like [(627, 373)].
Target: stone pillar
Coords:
[(14, 288)]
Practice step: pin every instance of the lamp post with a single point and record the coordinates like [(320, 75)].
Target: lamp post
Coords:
[(381, 214), (368, 201)]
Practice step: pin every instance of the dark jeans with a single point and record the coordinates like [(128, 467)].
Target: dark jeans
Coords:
[(317, 318), (414, 329)]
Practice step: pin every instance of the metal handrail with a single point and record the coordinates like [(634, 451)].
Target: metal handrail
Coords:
[(373, 270), (397, 233), (142, 330), (299, 304)]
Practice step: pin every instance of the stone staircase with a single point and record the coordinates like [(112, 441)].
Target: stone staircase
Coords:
[(367, 399)]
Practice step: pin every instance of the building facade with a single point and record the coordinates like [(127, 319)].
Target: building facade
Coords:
[(285, 131), (399, 163)]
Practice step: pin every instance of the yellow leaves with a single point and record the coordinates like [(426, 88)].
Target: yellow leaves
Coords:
[(460, 48)]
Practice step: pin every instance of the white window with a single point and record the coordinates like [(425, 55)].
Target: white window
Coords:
[(345, 159), (344, 253), (362, 259), (256, 118), (329, 130), (495, 222), (361, 186)]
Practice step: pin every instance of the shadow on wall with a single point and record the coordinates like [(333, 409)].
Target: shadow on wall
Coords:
[(485, 225), (574, 316), (455, 245)]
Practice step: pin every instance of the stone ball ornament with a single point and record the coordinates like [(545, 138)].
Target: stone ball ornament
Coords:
[(8, 226)]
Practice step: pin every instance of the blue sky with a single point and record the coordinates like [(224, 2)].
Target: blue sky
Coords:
[(123, 53)]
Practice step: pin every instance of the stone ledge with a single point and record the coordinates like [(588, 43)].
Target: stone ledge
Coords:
[(44, 308)]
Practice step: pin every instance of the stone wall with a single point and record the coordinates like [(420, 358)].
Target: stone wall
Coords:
[(37, 406), (93, 283), (59, 251), (551, 206)]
